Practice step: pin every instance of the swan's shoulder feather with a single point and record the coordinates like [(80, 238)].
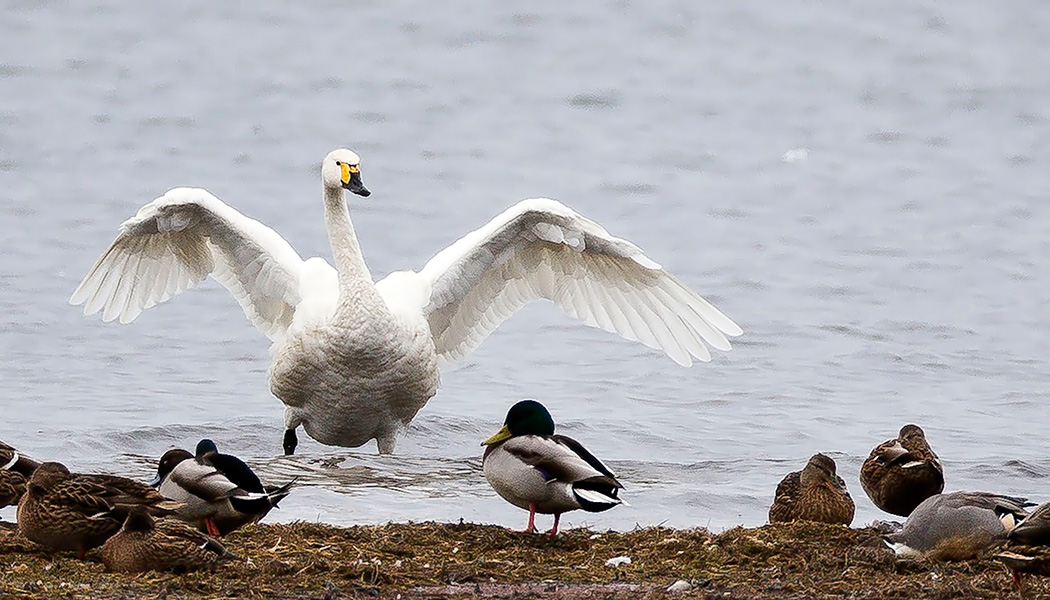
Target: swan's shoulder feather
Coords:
[(177, 240), (540, 248)]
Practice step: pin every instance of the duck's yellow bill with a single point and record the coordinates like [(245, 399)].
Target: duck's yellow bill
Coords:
[(500, 435)]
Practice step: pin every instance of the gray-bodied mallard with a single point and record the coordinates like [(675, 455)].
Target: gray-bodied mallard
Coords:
[(901, 473), (213, 499), (957, 526), (168, 544), (815, 493), (73, 511), (532, 468)]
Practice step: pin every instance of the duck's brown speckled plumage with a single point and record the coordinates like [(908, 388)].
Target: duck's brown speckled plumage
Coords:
[(12, 486), (1022, 559), (815, 493), (900, 473), (167, 544), (1028, 546), (15, 469), (67, 511), (1034, 529)]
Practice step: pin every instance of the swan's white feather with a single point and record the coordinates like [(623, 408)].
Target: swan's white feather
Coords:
[(353, 360), (176, 241), (540, 248)]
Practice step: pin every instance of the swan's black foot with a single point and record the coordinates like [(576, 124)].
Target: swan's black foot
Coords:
[(290, 442)]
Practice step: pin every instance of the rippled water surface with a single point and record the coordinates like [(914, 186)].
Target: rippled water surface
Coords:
[(863, 187)]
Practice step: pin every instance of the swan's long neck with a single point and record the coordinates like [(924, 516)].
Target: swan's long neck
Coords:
[(345, 250)]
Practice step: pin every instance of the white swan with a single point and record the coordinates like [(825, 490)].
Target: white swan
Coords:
[(354, 359)]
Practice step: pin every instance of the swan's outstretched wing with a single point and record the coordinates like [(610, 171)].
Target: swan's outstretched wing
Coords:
[(540, 248), (176, 241)]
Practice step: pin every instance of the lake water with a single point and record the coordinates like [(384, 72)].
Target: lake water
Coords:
[(863, 187)]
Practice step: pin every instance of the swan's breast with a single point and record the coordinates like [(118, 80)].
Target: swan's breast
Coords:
[(356, 369)]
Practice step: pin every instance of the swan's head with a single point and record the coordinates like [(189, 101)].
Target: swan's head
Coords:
[(341, 169)]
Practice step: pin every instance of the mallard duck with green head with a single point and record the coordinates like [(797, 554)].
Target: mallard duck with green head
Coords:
[(167, 544), (533, 468), (218, 492), (74, 511)]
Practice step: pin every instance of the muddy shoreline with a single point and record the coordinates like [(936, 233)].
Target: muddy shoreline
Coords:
[(438, 560)]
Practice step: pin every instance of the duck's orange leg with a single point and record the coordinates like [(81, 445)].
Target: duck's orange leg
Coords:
[(532, 519), (554, 530), (213, 529)]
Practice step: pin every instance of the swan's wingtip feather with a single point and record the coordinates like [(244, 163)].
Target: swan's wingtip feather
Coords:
[(686, 361), (647, 262)]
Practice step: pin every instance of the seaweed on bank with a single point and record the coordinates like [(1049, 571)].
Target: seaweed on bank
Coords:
[(309, 560)]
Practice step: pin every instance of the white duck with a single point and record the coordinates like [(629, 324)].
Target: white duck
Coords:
[(354, 359)]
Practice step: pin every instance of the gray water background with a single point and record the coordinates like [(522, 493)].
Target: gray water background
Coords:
[(862, 186)]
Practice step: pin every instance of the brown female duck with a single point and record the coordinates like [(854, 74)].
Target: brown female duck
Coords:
[(815, 493), (901, 473), (73, 511), (167, 544), (15, 469), (1028, 547)]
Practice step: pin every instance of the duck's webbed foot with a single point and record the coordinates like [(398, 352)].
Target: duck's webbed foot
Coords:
[(531, 528), (290, 442)]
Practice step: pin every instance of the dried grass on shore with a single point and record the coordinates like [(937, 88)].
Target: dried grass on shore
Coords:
[(307, 560)]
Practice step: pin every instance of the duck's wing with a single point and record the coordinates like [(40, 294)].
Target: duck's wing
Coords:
[(785, 498), (117, 485), (121, 494), (176, 241), (585, 454), (1035, 528), (178, 530), (921, 454), (13, 460), (540, 248), (1002, 505), (789, 486), (555, 460), (12, 487), (890, 453), (235, 469), (198, 479), (84, 496)]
